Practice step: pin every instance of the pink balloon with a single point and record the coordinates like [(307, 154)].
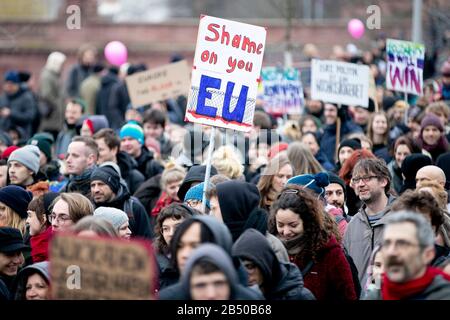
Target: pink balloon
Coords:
[(356, 28), (116, 53)]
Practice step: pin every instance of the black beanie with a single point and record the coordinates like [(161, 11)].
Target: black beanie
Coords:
[(335, 179), (352, 143), (108, 175)]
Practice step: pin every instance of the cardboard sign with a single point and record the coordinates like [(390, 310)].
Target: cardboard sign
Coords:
[(340, 82), (101, 268), (226, 73), (158, 84), (405, 61), (282, 91)]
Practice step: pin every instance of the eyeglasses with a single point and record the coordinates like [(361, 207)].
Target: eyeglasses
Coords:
[(193, 203), (399, 244), (61, 219), (366, 179)]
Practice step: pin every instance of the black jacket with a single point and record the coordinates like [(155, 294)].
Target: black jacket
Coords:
[(138, 217), (147, 165), (195, 174), (129, 172), (282, 281), (148, 192), (117, 105), (104, 94), (6, 288)]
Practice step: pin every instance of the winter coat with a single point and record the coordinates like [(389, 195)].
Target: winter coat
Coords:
[(167, 274), (77, 74), (281, 281), (195, 174), (219, 257), (41, 267), (39, 245), (330, 277), (148, 192), (104, 94), (6, 287), (23, 111), (51, 92), (361, 238), (88, 91), (63, 140), (130, 174), (118, 104), (147, 165), (81, 183), (328, 140), (324, 162), (139, 221)]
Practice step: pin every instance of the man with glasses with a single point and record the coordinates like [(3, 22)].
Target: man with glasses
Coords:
[(407, 248), (371, 182)]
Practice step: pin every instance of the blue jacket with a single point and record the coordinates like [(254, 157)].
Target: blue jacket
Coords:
[(328, 141)]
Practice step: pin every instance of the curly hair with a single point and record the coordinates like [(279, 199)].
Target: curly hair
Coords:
[(304, 203)]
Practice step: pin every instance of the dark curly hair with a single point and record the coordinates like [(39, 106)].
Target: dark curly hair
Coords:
[(304, 203)]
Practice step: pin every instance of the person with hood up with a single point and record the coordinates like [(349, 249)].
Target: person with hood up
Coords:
[(210, 265), (236, 203), (297, 218), (276, 280), (194, 176), (50, 90), (188, 235), (109, 190), (33, 282)]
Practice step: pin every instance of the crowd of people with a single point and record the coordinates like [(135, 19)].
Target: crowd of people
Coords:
[(336, 203)]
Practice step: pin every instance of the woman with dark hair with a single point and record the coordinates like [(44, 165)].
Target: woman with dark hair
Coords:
[(432, 136), (352, 201), (297, 219), (312, 140), (33, 282), (403, 147), (167, 223), (273, 179), (378, 132)]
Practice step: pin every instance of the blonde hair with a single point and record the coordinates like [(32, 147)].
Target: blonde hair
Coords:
[(371, 134), (302, 159), (13, 220), (227, 162), (172, 173)]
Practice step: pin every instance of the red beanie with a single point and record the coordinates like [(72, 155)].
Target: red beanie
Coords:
[(8, 151)]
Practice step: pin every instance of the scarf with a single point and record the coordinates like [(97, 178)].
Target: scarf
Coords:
[(39, 245), (402, 291), (163, 201), (294, 245)]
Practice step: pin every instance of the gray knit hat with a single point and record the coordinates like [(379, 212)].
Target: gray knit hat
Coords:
[(28, 156), (114, 216)]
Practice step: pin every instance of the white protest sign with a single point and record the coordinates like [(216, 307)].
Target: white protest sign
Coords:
[(340, 82), (405, 62), (226, 73), (158, 84)]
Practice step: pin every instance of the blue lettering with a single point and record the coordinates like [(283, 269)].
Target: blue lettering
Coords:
[(238, 113), (205, 83)]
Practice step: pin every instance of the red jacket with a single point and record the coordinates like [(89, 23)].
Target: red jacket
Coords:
[(39, 245), (330, 278)]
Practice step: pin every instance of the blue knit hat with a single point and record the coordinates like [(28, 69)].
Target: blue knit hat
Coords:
[(12, 76), (196, 193), (134, 130), (314, 182)]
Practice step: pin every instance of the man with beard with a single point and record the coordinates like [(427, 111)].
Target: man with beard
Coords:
[(335, 194), (109, 190), (407, 249), (371, 181)]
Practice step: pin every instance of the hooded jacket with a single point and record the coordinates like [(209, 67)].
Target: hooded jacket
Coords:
[(219, 257), (239, 202), (148, 192), (361, 238), (41, 267), (129, 172), (281, 281), (222, 238), (138, 217)]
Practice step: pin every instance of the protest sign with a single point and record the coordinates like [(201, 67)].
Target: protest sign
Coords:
[(282, 91), (158, 84), (405, 62), (340, 82), (101, 268), (226, 73)]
